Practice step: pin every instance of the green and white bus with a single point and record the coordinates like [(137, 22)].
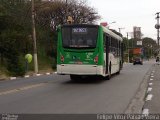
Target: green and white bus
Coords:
[(85, 50)]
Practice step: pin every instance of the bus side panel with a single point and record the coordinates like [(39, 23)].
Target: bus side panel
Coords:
[(122, 55), (59, 43), (100, 46), (107, 52)]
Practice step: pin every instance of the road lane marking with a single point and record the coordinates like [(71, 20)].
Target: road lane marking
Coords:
[(145, 112), (38, 74), (149, 90), (21, 89), (26, 76), (152, 76), (150, 84), (48, 73), (13, 78), (149, 97), (9, 91), (151, 79)]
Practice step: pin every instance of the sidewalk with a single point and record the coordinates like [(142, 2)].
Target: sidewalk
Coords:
[(152, 104)]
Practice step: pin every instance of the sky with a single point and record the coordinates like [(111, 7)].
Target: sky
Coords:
[(129, 13)]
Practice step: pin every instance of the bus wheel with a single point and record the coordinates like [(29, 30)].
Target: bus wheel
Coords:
[(109, 73), (75, 77)]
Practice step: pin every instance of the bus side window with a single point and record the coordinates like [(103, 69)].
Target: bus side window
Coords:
[(112, 44), (119, 48), (104, 42), (89, 42), (109, 38), (107, 43)]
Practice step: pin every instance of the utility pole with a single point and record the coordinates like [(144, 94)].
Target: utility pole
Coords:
[(128, 46), (34, 39), (157, 26)]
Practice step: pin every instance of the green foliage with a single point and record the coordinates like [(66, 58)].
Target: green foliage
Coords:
[(148, 44), (11, 46), (14, 35), (16, 31), (57, 12), (15, 66)]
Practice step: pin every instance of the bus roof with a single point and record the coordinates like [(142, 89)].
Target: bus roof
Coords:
[(75, 25), (106, 30)]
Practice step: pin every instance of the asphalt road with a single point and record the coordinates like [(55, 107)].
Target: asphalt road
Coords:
[(153, 103), (57, 94)]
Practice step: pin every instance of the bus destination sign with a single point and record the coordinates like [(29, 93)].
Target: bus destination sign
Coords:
[(79, 30)]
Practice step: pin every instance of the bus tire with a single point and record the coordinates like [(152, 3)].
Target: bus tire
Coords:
[(118, 72), (109, 73)]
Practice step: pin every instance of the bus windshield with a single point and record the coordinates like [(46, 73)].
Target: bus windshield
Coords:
[(79, 37)]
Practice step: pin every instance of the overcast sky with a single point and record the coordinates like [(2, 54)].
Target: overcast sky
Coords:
[(129, 13)]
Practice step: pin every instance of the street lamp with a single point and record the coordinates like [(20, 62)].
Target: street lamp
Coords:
[(110, 24)]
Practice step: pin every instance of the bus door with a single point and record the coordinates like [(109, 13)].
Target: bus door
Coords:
[(107, 41)]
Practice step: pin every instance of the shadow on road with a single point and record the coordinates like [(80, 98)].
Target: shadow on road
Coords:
[(86, 80)]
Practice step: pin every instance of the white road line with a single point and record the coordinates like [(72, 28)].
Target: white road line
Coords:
[(145, 112), (152, 76), (8, 92), (151, 79), (55, 72), (38, 74), (48, 73), (13, 78), (150, 84), (149, 90), (149, 97), (26, 76), (21, 89), (153, 71), (31, 86)]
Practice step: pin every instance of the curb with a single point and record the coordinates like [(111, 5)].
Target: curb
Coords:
[(1, 79), (136, 105), (13, 78), (27, 76)]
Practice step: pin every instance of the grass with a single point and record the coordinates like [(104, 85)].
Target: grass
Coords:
[(44, 65)]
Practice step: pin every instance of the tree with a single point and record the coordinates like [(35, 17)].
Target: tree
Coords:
[(16, 28), (57, 11), (150, 46), (50, 14), (13, 34)]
